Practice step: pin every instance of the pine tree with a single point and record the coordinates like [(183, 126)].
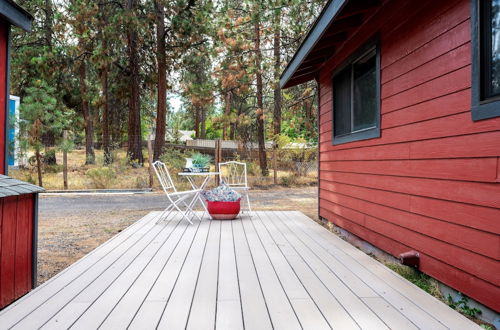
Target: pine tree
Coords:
[(40, 115)]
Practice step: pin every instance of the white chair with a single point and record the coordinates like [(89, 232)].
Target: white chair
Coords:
[(234, 174), (176, 198)]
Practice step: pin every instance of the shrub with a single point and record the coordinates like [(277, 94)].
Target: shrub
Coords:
[(142, 182), (102, 177), (289, 180), (422, 280), (174, 158), (201, 160), (50, 157), (253, 168), (462, 305), (53, 168)]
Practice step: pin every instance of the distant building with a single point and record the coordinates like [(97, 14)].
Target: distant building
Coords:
[(13, 132), (179, 135)]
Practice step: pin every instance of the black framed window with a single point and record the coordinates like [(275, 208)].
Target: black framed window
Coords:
[(356, 97), (485, 59)]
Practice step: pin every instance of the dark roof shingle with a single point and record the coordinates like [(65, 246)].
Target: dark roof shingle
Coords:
[(13, 187)]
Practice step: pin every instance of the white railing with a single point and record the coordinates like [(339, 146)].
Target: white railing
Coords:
[(232, 144), (226, 144)]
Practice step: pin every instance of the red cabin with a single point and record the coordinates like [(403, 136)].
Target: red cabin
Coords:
[(409, 126), (18, 200)]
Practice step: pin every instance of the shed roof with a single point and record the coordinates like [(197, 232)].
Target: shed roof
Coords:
[(338, 20), (13, 187), (15, 14)]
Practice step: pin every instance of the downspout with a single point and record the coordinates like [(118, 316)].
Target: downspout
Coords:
[(410, 258)]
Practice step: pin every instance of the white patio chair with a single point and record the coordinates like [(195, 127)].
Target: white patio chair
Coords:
[(176, 198), (234, 174)]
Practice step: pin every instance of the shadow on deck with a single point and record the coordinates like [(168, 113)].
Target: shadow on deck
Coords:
[(268, 270)]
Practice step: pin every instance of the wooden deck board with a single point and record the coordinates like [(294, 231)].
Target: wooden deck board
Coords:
[(351, 303), (229, 312), (271, 270), (204, 300), (405, 296), (255, 313), (123, 312)]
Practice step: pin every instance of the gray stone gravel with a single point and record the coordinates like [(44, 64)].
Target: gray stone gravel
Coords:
[(65, 205)]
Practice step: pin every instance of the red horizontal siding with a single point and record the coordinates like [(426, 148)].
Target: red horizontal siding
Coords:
[(470, 285), (449, 83), (456, 36), (451, 61), (431, 181), (440, 17), (468, 169), (484, 194), (477, 241), (454, 125), (445, 105), (468, 215)]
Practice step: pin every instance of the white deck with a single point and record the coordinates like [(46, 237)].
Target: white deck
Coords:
[(271, 270)]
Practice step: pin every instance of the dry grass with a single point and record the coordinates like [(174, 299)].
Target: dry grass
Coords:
[(128, 177)]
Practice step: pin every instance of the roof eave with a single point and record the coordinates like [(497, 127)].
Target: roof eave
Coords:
[(326, 17), (15, 15)]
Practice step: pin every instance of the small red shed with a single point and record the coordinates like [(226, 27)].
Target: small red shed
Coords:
[(409, 126), (18, 200)]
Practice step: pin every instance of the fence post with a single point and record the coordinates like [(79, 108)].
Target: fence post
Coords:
[(150, 161), (217, 158), (65, 161), (275, 166)]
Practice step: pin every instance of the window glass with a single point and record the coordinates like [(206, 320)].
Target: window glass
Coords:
[(342, 103), (356, 98), (495, 47), (364, 93)]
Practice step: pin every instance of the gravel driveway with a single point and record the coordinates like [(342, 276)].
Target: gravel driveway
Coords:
[(71, 226), (64, 205)]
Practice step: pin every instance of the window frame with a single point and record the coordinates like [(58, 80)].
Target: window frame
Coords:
[(366, 133), (482, 108)]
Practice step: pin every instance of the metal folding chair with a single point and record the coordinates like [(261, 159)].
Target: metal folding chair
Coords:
[(176, 198), (234, 174)]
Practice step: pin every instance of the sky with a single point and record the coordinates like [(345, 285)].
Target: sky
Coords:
[(175, 101)]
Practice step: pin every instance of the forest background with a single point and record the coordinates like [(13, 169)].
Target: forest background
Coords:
[(102, 71)]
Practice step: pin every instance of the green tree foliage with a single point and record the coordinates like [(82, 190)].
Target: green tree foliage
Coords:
[(112, 63), (41, 115)]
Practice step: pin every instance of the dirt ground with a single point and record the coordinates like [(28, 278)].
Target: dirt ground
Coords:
[(70, 226)]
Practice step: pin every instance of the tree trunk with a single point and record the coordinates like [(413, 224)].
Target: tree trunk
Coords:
[(65, 161), (227, 112), (134, 116), (277, 92), (277, 72), (260, 103), (49, 15), (150, 161), (106, 141), (161, 111), (89, 127), (197, 121), (203, 127), (108, 159), (48, 138), (39, 167)]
